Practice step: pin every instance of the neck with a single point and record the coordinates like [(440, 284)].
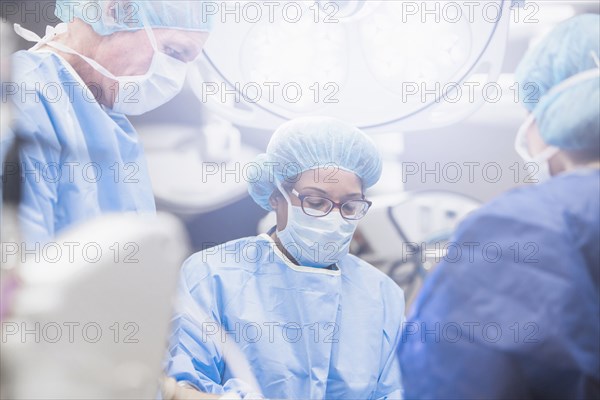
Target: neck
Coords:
[(282, 248), (81, 38), (592, 165), (563, 163)]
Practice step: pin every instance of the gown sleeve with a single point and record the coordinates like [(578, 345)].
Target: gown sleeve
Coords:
[(505, 318), (39, 161), (389, 384), (195, 351)]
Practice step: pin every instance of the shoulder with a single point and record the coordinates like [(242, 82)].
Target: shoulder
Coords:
[(367, 277), (43, 66), (36, 91), (240, 255), (25, 61), (549, 207)]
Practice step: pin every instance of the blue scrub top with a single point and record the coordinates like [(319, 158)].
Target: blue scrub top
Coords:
[(519, 318), (306, 332), (79, 159)]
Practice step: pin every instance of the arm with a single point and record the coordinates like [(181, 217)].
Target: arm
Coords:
[(36, 211), (196, 349), (487, 324), (389, 384), (39, 160), (172, 390)]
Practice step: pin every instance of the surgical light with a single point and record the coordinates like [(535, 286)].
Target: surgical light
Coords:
[(381, 65)]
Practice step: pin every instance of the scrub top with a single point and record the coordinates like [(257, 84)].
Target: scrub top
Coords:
[(518, 316), (306, 332), (79, 159)]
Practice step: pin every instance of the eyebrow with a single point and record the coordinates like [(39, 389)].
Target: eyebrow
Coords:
[(325, 193), (187, 46), (314, 188)]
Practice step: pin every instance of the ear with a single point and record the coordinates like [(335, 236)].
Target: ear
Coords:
[(275, 199)]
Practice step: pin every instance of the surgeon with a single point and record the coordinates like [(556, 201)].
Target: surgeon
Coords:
[(107, 60), (312, 320), (518, 315)]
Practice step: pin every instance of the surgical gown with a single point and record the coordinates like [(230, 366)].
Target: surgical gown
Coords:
[(307, 333), (520, 318), (79, 160)]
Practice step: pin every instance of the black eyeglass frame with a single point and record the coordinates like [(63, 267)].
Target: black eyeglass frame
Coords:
[(334, 204)]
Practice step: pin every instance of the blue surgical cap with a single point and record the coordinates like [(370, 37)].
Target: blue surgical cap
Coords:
[(313, 142), (570, 118), (107, 17)]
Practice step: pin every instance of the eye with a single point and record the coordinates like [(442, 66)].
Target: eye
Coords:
[(317, 203), (172, 52), (352, 206)]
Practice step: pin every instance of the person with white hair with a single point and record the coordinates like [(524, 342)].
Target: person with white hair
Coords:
[(80, 155)]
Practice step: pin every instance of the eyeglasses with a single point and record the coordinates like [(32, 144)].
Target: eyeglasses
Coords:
[(317, 206)]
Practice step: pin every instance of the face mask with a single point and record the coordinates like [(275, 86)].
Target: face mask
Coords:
[(136, 94), (542, 159), (316, 242)]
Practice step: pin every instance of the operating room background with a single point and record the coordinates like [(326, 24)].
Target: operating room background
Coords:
[(485, 137)]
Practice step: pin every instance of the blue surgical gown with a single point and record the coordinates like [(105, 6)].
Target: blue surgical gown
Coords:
[(520, 319), (307, 333), (79, 160)]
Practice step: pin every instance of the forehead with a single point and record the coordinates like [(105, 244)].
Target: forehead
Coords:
[(332, 180), (191, 42), (184, 37)]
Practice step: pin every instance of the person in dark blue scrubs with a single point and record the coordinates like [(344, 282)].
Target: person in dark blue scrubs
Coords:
[(513, 310)]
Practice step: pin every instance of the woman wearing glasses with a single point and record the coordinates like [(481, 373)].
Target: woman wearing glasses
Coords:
[(312, 320)]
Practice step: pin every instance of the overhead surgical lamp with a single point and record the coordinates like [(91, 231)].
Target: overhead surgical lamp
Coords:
[(380, 65)]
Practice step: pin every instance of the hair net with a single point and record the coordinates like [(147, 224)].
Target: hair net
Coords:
[(309, 143), (569, 118), (107, 17)]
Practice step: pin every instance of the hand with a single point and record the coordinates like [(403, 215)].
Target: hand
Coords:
[(171, 390)]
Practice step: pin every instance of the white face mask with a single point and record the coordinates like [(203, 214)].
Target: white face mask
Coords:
[(136, 94), (542, 159), (316, 241)]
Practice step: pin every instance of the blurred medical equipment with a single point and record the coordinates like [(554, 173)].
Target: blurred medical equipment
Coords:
[(197, 169), (92, 314), (403, 68), (424, 222)]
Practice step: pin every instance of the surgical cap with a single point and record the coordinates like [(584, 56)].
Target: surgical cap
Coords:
[(107, 17), (313, 142), (570, 118)]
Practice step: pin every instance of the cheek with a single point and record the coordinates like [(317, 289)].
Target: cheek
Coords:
[(129, 58), (141, 64), (535, 142), (281, 213)]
